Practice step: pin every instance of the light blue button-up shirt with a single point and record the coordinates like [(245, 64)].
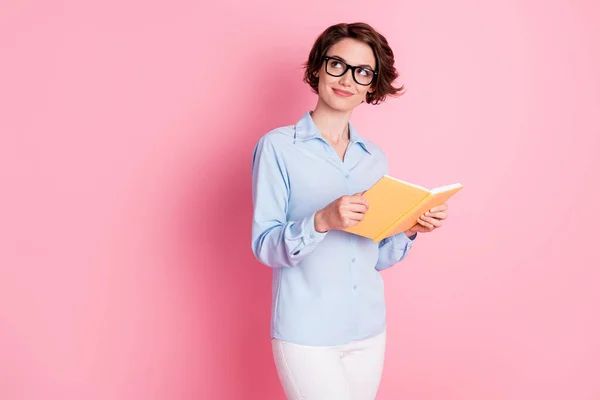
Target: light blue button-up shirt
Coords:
[(327, 288)]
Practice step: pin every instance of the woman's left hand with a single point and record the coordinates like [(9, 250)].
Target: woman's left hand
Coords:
[(430, 221)]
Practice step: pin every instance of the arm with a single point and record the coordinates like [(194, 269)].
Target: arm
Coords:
[(393, 250), (277, 242)]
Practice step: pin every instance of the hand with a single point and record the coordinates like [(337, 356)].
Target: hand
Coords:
[(430, 221), (342, 213)]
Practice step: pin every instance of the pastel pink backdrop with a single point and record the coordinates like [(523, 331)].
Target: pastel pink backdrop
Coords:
[(127, 133)]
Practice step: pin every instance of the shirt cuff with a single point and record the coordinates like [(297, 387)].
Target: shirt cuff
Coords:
[(311, 234), (401, 240)]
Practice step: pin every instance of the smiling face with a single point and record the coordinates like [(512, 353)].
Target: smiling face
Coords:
[(343, 93)]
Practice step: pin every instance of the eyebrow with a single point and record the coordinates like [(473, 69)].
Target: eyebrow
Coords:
[(362, 65)]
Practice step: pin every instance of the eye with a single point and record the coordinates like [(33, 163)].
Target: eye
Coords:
[(363, 72), (337, 64)]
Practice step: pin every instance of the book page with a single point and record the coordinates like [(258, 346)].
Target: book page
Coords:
[(446, 188), (407, 183)]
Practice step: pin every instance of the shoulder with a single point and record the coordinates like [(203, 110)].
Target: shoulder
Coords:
[(276, 139), (273, 144)]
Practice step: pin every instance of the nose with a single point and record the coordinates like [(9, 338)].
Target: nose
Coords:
[(346, 79)]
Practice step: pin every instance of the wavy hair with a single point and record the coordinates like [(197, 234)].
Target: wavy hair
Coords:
[(382, 86)]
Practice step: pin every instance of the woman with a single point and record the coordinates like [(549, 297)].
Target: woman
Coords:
[(328, 310)]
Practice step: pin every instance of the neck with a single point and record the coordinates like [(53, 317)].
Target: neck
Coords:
[(332, 124)]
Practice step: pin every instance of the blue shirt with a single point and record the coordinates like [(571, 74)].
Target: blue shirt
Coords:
[(326, 288)]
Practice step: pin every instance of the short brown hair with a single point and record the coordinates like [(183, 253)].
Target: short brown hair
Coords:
[(384, 58)]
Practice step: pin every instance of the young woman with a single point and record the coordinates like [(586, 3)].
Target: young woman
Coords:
[(328, 310)]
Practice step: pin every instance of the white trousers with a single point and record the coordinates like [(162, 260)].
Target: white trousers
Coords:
[(351, 371)]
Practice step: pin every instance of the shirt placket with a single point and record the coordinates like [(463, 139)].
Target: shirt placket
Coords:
[(350, 255)]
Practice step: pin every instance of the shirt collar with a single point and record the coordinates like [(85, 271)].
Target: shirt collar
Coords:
[(305, 129)]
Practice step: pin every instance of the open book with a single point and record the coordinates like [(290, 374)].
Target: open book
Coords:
[(395, 206)]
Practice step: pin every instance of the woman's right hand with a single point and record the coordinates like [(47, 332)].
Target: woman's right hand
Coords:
[(342, 213)]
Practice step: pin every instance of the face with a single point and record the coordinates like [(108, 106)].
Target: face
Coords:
[(343, 93)]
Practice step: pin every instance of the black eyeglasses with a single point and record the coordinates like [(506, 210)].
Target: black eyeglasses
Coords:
[(362, 75)]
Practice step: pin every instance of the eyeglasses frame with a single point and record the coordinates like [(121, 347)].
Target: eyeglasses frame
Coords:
[(348, 66)]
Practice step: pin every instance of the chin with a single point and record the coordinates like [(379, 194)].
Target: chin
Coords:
[(340, 104)]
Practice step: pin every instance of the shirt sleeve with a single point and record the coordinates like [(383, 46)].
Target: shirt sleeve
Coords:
[(393, 250), (277, 242)]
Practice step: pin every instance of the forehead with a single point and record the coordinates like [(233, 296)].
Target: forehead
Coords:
[(353, 51)]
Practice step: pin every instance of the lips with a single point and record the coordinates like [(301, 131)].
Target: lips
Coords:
[(342, 93)]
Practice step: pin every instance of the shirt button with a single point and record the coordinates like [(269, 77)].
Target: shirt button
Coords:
[(354, 287), (354, 260), (347, 176)]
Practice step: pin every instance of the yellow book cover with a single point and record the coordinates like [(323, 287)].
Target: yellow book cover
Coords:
[(396, 205)]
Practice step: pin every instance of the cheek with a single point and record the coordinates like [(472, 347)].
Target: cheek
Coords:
[(324, 80), (362, 94), (322, 84)]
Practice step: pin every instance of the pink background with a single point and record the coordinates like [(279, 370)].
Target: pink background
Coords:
[(127, 131)]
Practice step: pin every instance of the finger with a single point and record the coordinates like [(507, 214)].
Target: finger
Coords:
[(442, 207), (435, 222), (354, 216), (417, 227), (359, 199), (437, 215), (349, 222), (357, 208), (425, 224)]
